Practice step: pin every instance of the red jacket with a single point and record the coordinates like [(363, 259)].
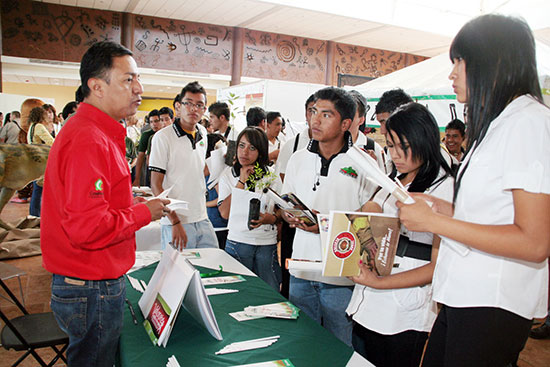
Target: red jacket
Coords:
[(88, 221)]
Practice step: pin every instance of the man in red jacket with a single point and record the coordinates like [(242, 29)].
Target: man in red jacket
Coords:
[(89, 215)]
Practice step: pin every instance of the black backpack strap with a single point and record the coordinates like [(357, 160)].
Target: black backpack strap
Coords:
[(370, 144), (296, 142)]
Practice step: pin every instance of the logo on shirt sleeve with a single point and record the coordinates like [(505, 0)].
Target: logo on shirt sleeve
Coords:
[(98, 185), (98, 189)]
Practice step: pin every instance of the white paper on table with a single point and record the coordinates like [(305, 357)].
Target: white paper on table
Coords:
[(216, 165), (242, 316), (215, 291)]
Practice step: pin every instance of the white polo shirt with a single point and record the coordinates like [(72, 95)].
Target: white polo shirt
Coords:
[(182, 160), (515, 154), (238, 214), (338, 189), (391, 311), (288, 149)]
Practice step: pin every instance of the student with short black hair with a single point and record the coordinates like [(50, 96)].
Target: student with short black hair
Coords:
[(178, 155), (256, 116), (454, 137), (325, 178)]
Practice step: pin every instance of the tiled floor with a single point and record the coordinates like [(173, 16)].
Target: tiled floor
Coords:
[(36, 287)]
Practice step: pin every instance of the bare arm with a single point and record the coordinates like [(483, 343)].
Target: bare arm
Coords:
[(139, 164), (528, 238), (411, 278), (179, 237)]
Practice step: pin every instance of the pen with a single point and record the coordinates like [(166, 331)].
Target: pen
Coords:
[(132, 312)]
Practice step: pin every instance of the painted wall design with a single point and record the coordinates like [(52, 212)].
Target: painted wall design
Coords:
[(47, 31), (178, 45), (277, 56), (371, 62)]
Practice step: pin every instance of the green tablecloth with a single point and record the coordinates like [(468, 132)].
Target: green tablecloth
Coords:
[(302, 341)]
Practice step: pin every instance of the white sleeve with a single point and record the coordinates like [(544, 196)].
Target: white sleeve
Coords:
[(160, 153), (284, 155), (288, 184), (224, 185)]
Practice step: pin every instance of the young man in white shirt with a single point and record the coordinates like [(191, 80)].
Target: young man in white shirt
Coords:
[(177, 161), (325, 178), (273, 128)]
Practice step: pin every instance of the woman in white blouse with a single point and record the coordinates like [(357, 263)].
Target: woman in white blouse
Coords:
[(393, 314), (491, 275)]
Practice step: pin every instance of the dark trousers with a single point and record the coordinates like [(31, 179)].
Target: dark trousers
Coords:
[(399, 350), (287, 238), (36, 200), (222, 237), (476, 336)]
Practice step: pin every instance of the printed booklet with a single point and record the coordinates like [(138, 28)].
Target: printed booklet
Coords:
[(354, 236), (293, 206)]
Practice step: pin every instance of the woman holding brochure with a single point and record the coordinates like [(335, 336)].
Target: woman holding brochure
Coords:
[(492, 275), (393, 314), (254, 244)]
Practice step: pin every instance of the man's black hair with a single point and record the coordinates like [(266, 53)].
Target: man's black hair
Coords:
[(68, 109), (272, 115), (78, 94), (193, 87), (98, 61), (166, 111), (392, 99), (342, 100), (154, 112), (309, 100), (176, 100), (360, 101), (255, 116), (457, 124), (220, 108)]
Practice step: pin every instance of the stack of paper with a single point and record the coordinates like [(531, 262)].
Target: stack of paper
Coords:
[(172, 362), (223, 280), (277, 363), (281, 310), (248, 345)]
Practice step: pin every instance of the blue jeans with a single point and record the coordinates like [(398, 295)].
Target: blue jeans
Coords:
[(260, 259), (90, 312), (36, 200), (324, 303), (199, 235)]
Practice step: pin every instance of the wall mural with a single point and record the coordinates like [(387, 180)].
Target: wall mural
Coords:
[(47, 31), (371, 62), (277, 56), (179, 45)]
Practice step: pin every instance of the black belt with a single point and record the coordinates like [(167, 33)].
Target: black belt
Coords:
[(416, 250)]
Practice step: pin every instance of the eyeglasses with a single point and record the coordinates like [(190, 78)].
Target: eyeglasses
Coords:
[(190, 105)]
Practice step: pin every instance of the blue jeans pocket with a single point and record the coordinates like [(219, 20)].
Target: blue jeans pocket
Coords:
[(70, 312)]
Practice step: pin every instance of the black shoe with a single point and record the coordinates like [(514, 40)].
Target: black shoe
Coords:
[(541, 332)]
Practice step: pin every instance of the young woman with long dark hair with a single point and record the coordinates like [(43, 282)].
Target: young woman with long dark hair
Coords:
[(492, 275), (393, 314)]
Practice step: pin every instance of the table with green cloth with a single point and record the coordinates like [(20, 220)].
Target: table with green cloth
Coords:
[(302, 341)]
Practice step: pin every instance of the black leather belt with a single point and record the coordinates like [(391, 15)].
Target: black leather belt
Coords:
[(416, 250)]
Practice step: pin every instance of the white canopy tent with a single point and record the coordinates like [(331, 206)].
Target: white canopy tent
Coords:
[(428, 83)]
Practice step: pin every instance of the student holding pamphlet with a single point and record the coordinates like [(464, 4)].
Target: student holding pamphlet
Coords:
[(252, 237), (325, 178), (492, 271), (393, 314)]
